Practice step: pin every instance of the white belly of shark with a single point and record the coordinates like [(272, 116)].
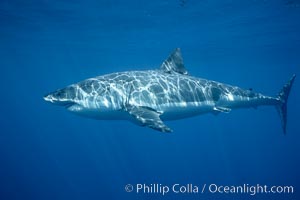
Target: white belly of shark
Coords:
[(148, 98)]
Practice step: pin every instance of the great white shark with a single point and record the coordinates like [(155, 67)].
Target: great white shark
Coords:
[(148, 98)]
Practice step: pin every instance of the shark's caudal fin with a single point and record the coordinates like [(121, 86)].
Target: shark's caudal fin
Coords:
[(282, 107)]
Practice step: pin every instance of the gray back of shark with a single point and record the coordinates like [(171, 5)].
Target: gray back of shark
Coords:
[(149, 98)]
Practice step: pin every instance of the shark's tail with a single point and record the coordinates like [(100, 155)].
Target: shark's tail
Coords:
[(283, 97)]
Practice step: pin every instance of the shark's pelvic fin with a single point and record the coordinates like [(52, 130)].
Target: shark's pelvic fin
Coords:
[(222, 109), (174, 63), (283, 97), (148, 117)]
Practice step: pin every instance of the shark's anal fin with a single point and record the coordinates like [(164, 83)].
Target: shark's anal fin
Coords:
[(222, 109), (146, 116)]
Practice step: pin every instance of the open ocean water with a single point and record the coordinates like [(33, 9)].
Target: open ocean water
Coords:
[(49, 153)]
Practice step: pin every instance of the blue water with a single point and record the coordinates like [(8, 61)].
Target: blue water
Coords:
[(48, 153)]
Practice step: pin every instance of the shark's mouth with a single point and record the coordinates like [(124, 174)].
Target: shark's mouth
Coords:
[(60, 102), (74, 107), (67, 105)]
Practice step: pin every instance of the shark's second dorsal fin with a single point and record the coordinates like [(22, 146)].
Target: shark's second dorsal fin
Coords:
[(174, 63)]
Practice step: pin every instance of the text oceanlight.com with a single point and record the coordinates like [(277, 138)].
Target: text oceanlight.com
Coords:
[(177, 188)]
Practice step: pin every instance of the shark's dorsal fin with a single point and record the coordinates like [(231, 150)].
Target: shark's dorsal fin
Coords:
[(174, 63)]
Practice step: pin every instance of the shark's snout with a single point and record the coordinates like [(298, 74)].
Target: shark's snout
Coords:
[(48, 97), (60, 97)]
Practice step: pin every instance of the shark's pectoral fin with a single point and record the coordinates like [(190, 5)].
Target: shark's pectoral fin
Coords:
[(222, 109), (146, 116)]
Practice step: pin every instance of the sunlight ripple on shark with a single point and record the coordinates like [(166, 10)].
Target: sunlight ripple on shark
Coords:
[(148, 98)]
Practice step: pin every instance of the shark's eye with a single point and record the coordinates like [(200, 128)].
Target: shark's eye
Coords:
[(60, 94)]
